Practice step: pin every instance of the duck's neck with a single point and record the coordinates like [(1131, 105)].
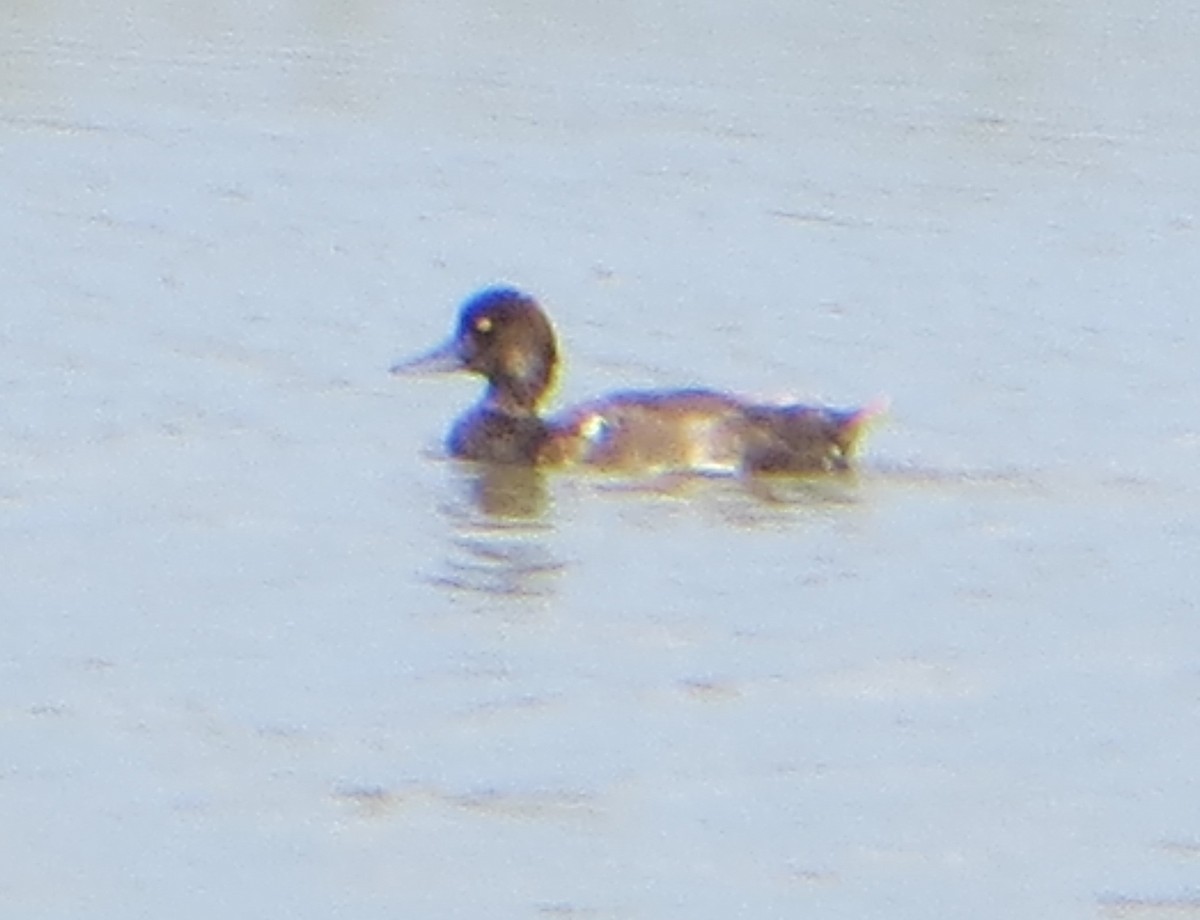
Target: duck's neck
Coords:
[(511, 397)]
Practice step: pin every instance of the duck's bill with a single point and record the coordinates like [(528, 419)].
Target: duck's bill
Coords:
[(441, 360)]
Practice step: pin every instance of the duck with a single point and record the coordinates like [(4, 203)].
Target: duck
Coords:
[(505, 336)]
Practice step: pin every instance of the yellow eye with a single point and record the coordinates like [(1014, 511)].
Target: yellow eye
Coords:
[(483, 325)]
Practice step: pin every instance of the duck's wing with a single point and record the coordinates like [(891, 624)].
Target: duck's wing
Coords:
[(650, 430)]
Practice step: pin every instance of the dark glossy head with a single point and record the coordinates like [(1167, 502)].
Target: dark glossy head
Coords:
[(502, 335)]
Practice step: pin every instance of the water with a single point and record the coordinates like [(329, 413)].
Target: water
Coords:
[(266, 653)]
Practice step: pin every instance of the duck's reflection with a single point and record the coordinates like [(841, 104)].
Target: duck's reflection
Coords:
[(498, 545), (501, 540), (839, 487), (506, 492)]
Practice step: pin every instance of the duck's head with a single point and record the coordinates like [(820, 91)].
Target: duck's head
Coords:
[(502, 335)]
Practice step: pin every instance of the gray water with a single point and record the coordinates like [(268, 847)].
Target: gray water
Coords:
[(266, 653)]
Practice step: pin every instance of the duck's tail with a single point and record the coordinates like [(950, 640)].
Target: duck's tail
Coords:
[(851, 425), (805, 439)]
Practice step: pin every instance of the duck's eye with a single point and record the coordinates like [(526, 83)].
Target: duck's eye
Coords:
[(483, 325)]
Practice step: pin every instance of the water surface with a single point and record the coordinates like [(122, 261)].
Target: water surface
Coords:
[(266, 653)]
